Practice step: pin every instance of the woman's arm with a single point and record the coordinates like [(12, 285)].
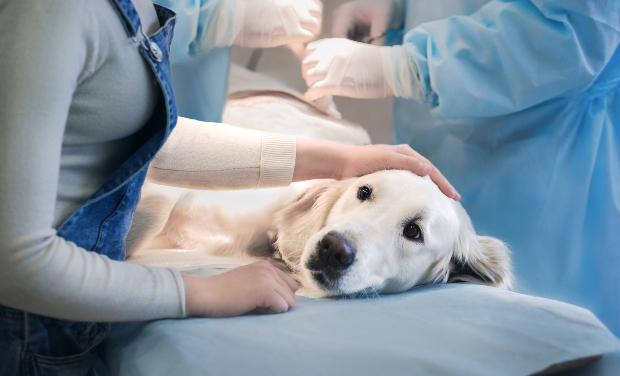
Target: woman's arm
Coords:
[(46, 49), (201, 155), (216, 156)]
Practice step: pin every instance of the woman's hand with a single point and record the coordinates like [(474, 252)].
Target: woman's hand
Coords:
[(259, 286), (435, 175), (328, 160)]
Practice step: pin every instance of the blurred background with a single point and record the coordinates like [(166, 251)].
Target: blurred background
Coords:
[(281, 63)]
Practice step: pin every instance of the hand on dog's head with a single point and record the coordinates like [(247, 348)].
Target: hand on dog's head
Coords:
[(385, 232)]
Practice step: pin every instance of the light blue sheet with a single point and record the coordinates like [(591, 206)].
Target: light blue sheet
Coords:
[(455, 329)]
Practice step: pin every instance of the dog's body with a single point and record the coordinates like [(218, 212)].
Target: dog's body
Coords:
[(385, 232)]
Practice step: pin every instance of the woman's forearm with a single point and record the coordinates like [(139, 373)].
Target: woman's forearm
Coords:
[(318, 160)]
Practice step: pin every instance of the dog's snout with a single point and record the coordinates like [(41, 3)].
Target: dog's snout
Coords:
[(335, 251)]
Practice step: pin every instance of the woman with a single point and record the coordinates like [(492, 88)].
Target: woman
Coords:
[(86, 102)]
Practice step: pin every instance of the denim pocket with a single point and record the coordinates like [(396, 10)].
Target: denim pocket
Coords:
[(71, 362), (40, 365), (11, 340)]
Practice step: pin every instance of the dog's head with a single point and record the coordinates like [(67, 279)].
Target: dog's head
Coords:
[(385, 232)]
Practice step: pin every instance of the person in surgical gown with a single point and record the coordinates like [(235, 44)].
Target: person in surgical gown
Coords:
[(205, 31), (518, 104)]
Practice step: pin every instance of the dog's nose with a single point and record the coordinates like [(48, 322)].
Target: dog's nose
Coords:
[(335, 251)]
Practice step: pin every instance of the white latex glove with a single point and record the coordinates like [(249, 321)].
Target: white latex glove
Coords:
[(364, 18), (343, 67), (271, 23)]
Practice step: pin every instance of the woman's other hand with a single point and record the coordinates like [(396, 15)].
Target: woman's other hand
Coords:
[(257, 287)]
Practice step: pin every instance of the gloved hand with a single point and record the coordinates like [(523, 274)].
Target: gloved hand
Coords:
[(343, 67), (271, 23), (364, 18)]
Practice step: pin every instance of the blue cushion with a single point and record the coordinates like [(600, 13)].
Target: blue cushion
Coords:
[(454, 329)]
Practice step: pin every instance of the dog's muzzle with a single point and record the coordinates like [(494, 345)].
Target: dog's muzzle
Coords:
[(332, 257)]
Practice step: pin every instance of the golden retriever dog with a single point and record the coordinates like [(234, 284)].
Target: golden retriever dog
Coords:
[(385, 232)]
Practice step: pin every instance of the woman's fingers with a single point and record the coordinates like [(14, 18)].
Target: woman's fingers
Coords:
[(279, 291), (443, 184), (283, 278), (285, 294), (405, 162), (273, 304), (287, 280), (435, 175), (405, 158)]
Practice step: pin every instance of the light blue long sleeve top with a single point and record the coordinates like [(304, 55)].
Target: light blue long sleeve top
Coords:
[(200, 56), (517, 103)]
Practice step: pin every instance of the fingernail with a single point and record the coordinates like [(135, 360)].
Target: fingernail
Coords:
[(426, 167)]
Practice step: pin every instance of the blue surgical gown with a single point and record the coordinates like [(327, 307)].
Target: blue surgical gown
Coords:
[(199, 66), (518, 104)]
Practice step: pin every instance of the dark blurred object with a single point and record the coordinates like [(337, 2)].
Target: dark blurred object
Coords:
[(361, 33), (254, 58)]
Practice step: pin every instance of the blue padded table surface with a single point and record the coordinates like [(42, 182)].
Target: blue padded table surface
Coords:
[(453, 329)]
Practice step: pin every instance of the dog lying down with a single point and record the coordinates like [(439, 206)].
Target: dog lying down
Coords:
[(385, 232)]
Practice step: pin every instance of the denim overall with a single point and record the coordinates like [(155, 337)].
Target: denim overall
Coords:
[(37, 345)]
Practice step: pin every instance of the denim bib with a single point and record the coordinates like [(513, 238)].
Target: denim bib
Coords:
[(38, 345)]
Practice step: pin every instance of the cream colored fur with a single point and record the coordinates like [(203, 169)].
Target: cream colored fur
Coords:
[(290, 230)]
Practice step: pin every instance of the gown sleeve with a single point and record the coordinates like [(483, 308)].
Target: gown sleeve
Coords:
[(508, 56), (202, 25)]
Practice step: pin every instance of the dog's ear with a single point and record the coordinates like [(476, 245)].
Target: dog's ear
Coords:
[(304, 216), (481, 259)]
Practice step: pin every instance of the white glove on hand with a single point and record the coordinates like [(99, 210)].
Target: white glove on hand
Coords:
[(343, 67), (364, 18), (271, 23)]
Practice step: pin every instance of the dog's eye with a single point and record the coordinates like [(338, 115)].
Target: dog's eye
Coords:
[(412, 231), (363, 193)]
